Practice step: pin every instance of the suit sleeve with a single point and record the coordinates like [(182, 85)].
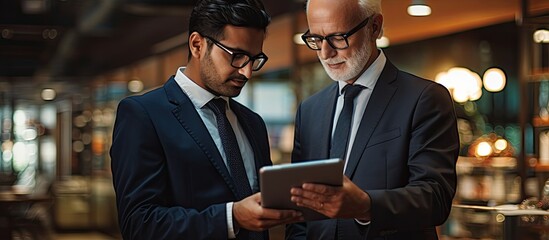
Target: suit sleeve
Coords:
[(433, 149), (143, 193)]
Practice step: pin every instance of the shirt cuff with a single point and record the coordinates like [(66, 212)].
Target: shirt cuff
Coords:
[(363, 223), (230, 225)]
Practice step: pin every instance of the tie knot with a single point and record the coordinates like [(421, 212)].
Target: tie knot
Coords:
[(217, 105), (352, 90)]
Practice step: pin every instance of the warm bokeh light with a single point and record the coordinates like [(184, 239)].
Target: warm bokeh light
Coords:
[(460, 95), (419, 10), (494, 80), (492, 145), (20, 160), (78, 146), (476, 95), (541, 36), (135, 86), (442, 78), (484, 149), (382, 42), (19, 117), (464, 84), (48, 94), (29, 134), (500, 144), (298, 40), (48, 150)]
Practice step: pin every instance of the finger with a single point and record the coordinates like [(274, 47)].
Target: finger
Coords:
[(309, 203), (256, 196), (296, 191), (315, 196), (303, 200), (318, 188)]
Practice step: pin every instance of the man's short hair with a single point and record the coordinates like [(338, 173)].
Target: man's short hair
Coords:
[(209, 17)]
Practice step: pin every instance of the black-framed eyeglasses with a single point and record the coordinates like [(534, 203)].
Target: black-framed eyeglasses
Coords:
[(336, 40), (241, 59)]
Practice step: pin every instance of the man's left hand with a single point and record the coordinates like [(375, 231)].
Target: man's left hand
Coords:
[(347, 201)]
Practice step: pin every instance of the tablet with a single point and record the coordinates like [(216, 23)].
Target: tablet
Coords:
[(277, 180)]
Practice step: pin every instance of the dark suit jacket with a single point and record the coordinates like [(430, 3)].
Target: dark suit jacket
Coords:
[(169, 177), (404, 157)]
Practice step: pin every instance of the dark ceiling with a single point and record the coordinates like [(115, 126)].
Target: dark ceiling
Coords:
[(78, 39)]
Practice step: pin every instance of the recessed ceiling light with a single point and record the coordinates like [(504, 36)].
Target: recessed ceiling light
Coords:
[(419, 8)]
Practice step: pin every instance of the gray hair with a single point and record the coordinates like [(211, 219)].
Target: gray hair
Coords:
[(367, 8)]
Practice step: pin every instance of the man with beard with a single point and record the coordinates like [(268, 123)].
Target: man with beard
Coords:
[(185, 156), (396, 132)]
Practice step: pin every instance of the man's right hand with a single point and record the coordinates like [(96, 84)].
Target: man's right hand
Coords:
[(249, 214)]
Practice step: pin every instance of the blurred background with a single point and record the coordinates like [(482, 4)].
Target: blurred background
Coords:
[(65, 64)]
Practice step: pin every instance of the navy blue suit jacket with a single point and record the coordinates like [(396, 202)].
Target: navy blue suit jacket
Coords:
[(404, 157), (169, 177)]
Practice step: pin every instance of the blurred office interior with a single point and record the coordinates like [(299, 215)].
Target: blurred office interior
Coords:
[(65, 64)]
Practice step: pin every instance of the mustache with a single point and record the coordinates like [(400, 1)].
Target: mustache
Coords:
[(332, 61), (239, 77)]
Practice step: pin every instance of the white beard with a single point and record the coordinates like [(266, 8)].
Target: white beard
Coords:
[(353, 66)]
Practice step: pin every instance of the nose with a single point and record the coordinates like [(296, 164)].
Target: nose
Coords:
[(326, 51), (246, 70)]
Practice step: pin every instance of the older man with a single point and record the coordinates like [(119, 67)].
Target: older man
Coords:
[(397, 133)]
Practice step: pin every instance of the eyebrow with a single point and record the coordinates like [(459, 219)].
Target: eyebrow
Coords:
[(238, 50), (329, 34)]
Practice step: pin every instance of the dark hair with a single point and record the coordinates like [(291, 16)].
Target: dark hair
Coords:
[(209, 17)]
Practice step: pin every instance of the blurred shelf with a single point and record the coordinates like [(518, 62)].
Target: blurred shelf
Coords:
[(487, 171), (540, 122), (539, 74), (541, 168), (474, 165)]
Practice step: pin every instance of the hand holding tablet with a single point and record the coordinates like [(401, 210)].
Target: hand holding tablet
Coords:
[(276, 182)]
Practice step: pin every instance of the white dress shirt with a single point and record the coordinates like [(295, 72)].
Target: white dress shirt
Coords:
[(368, 79), (200, 97)]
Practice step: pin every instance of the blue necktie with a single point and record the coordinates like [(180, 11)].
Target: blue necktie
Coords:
[(230, 145), (340, 140)]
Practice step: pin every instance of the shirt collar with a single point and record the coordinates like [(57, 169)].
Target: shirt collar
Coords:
[(198, 95), (369, 77)]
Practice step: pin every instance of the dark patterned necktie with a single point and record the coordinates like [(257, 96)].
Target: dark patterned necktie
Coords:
[(230, 145), (234, 159), (340, 140)]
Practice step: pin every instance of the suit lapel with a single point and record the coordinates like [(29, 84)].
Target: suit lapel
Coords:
[(380, 98), (326, 121), (186, 114)]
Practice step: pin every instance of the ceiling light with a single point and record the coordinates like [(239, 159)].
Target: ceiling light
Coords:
[(541, 36), (382, 42), (419, 8)]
